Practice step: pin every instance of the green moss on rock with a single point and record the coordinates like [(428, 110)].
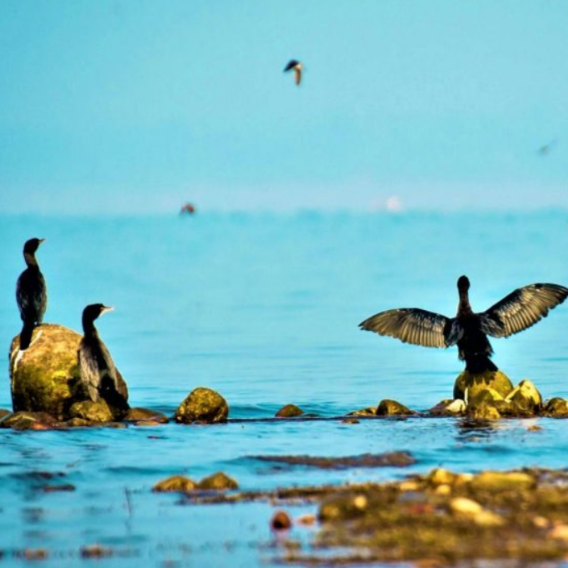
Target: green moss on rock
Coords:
[(97, 412), (202, 405), (389, 407), (556, 408), (474, 383), (289, 411)]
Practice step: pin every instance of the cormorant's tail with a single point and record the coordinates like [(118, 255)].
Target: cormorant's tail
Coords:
[(479, 363), (26, 334)]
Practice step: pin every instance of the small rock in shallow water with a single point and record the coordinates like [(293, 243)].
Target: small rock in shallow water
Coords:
[(448, 407), (307, 520), (556, 408), (95, 551), (217, 482), (484, 411), (289, 411), (146, 415), (369, 411), (350, 421), (175, 483), (280, 521), (393, 408), (97, 412), (441, 476), (526, 397), (502, 481), (202, 405)]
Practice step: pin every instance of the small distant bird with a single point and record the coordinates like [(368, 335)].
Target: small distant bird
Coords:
[(547, 148), (31, 293), (516, 312), (297, 67), (98, 374), (187, 208)]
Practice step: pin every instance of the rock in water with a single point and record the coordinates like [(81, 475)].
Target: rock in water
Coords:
[(474, 383), (217, 482), (289, 411), (202, 405), (97, 412), (556, 408), (525, 397), (45, 377), (393, 408)]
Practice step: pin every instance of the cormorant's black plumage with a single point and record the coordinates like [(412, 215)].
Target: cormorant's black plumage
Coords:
[(31, 293), (516, 312), (99, 376)]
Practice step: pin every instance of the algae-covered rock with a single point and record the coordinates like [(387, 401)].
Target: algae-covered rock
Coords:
[(448, 407), (145, 415), (96, 412), (289, 411), (486, 395), (202, 405), (343, 508), (45, 377), (473, 383), (525, 397), (175, 483), (369, 411), (4, 412), (393, 408), (23, 420), (483, 411), (556, 408), (217, 482), (498, 481)]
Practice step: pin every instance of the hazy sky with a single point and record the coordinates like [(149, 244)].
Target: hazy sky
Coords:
[(116, 105)]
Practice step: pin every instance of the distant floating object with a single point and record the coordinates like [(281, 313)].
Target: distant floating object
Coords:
[(187, 209), (297, 67), (393, 204), (547, 148)]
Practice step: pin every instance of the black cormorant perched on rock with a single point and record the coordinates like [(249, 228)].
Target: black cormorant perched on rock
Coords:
[(517, 311), (31, 293), (99, 376)]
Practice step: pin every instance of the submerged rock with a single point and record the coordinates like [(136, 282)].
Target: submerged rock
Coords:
[(217, 482), (202, 405), (556, 408), (280, 521), (93, 412), (145, 415), (483, 411), (474, 383), (389, 407), (369, 411), (45, 378), (175, 483), (23, 420), (289, 411)]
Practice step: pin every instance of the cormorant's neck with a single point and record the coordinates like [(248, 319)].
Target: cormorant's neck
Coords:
[(89, 328), (30, 259), (464, 306)]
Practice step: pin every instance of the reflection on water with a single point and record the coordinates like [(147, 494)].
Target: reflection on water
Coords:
[(265, 310)]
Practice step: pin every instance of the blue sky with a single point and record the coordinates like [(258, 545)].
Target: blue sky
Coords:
[(139, 105)]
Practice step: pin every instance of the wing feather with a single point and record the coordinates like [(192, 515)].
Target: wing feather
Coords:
[(412, 325), (521, 309)]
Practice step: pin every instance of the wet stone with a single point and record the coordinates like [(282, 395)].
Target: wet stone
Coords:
[(526, 397), (94, 412), (289, 411), (175, 483), (556, 408), (4, 412), (369, 411), (217, 482), (393, 408), (448, 407), (473, 383), (145, 415), (202, 405), (484, 411), (280, 521)]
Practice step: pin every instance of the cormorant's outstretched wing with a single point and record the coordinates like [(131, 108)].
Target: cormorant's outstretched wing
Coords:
[(413, 325), (521, 309)]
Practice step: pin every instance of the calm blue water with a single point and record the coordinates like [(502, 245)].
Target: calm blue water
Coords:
[(263, 308)]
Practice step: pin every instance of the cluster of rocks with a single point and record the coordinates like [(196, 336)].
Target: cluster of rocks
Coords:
[(45, 393), (181, 484)]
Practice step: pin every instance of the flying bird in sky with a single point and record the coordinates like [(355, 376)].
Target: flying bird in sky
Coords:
[(297, 67)]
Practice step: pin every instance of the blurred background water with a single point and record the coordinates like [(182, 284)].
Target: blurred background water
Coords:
[(263, 308)]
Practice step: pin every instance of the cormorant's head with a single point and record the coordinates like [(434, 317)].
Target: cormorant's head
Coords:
[(32, 245), (463, 283), (93, 311)]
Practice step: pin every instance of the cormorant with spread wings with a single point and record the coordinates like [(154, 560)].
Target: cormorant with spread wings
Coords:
[(516, 312)]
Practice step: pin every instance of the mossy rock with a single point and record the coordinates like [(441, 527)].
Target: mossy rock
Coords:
[(175, 483), (289, 411), (525, 397), (556, 408), (94, 412), (217, 482), (483, 411), (448, 407), (23, 420), (45, 377), (389, 407), (473, 383), (202, 405), (500, 481), (369, 411)]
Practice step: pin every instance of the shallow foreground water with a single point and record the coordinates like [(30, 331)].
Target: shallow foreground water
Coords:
[(264, 309)]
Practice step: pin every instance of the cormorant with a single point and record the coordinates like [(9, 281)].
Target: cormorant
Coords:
[(31, 293), (99, 376), (297, 67), (516, 312)]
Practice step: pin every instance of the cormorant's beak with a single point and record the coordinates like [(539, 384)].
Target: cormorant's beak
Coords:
[(41, 241), (107, 309)]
